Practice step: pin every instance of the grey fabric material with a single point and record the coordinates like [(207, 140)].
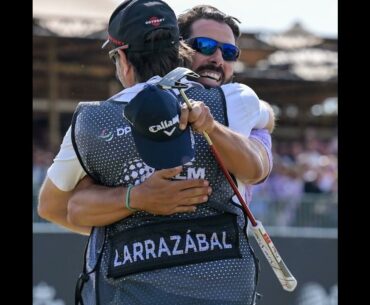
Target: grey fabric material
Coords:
[(107, 152)]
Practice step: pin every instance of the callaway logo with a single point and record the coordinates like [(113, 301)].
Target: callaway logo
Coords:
[(165, 124), (106, 136), (154, 21)]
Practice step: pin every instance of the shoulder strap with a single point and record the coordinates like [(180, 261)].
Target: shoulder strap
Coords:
[(80, 107)]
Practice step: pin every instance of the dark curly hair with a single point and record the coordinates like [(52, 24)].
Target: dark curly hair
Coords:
[(203, 11), (151, 63)]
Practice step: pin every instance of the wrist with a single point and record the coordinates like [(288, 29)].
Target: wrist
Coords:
[(211, 128), (134, 198), (128, 199)]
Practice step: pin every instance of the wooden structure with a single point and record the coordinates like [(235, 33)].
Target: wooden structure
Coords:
[(67, 70)]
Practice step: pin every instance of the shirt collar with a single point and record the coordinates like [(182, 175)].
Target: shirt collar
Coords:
[(129, 93)]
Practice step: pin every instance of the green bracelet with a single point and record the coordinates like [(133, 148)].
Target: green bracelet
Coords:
[(127, 201)]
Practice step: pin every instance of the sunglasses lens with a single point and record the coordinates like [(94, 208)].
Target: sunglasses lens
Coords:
[(205, 46), (230, 52), (208, 46)]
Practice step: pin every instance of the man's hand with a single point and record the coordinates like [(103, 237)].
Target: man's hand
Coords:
[(160, 195), (97, 205), (242, 157), (199, 117)]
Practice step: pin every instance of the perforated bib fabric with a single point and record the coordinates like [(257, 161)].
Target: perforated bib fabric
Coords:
[(103, 142)]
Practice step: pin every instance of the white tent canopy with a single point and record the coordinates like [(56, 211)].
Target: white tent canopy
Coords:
[(73, 18), (85, 9)]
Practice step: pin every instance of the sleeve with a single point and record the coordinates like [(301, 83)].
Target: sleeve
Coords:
[(263, 117), (66, 171), (243, 107), (264, 137)]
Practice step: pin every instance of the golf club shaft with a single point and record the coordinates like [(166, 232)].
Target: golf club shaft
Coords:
[(223, 168), (285, 277)]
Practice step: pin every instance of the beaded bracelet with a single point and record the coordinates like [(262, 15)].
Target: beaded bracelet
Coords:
[(127, 201)]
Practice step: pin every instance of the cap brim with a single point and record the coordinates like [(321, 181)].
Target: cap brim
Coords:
[(166, 154)]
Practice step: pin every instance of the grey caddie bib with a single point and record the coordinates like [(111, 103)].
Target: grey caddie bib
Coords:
[(144, 250)]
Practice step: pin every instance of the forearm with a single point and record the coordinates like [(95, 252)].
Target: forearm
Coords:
[(97, 205), (60, 218), (245, 158), (53, 207)]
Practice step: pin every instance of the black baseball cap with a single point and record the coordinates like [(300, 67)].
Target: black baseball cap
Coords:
[(133, 20), (154, 115)]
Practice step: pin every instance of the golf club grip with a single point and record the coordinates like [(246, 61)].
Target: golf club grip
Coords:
[(285, 277)]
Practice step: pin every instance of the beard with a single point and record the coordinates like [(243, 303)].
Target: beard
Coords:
[(209, 67)]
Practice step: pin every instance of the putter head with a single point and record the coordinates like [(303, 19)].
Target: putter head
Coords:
[(172, 79)]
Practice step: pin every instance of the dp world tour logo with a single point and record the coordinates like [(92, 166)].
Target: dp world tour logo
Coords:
[(106, 135)]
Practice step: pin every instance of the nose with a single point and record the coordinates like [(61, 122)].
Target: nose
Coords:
[(216, 58)]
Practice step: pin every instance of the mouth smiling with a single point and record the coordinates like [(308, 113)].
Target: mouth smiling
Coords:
[(211, 75)]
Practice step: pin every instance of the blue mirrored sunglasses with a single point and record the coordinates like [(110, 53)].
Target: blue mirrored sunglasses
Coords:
[(208, 46)]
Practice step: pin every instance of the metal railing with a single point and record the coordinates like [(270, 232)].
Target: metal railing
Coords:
[(312, 210)]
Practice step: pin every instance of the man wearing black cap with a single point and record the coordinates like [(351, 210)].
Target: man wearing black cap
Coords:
[(202, 257), (156, 54)]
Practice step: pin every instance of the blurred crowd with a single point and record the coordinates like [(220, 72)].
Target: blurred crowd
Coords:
[(303, 180), (304, 177)]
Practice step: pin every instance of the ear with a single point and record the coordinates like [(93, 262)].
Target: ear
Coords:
[(124, 63), (127, 68)]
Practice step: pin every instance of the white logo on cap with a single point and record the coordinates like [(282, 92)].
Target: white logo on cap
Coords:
[(165, 124), (155, 21), (169, 133)]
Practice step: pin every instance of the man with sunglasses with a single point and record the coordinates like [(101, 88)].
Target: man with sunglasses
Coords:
[(215, 265), (213, 35)]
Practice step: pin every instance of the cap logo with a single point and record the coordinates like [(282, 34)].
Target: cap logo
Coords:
[(154, 115), (165, 124), (154, 21)]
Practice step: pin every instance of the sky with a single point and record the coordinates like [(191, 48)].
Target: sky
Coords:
[(317, 16)]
